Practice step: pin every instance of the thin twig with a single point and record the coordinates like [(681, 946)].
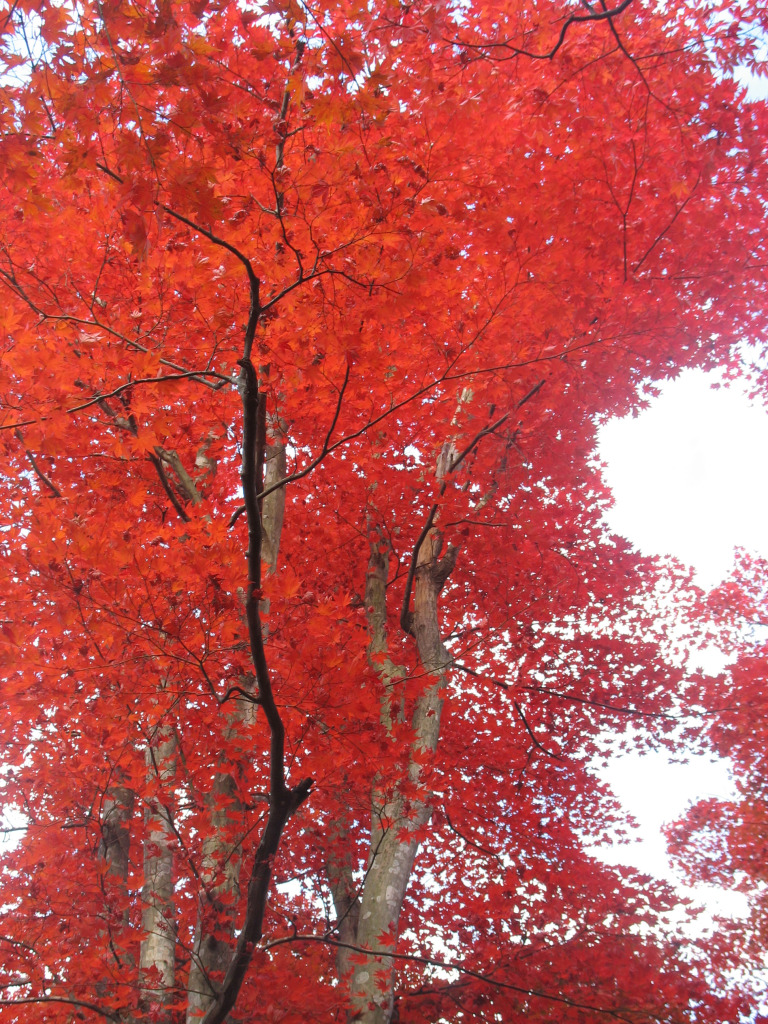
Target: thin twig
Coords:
[(81, 1003), (600, 704), (531, 733), (490, 429), (148, 380), (515, 51), (564, 696), (405, 613), (448, 966), (206, 232), (167, 486), (38, 471)]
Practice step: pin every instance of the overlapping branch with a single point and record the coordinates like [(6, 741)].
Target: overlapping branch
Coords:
[(448, 965), (487, 48)]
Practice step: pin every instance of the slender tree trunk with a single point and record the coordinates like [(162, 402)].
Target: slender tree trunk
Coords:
[(222, 853), (117, 811), (222, 860), (273, 505), (114, 851), (392, 852), (340, 871), (158, 948)]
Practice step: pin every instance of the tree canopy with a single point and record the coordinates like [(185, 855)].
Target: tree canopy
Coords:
[(311, 628)]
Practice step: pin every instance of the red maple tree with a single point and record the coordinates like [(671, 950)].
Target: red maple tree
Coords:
[(722, 842), (311, 628)]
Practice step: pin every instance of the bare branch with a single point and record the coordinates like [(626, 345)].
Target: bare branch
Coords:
[(66, 1000), (451, 966), (531, 733), (516, 51), (167, 487), (38, 471)]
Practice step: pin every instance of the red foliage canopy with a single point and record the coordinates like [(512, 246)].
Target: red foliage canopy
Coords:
[(309, 316)]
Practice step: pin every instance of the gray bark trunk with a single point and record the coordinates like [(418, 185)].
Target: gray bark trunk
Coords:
[(273, 505), (392, 853), (115, 847), (340, 870), (114, 850), (158, 948), (218, 904)]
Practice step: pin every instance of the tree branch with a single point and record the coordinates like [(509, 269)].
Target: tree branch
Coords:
[(253, 282), (38, 471), (326, 448), (167, 486), (148, 380), (491, 428), (81, 1003), (531, 733), (11, 282), (574, 19), (563, 696), (405, 611), (450, 966)]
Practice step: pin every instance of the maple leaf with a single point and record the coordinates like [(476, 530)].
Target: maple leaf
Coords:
[(311, 627)]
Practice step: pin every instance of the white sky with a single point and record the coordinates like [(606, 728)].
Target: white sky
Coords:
[(689, 480), (689, 475)]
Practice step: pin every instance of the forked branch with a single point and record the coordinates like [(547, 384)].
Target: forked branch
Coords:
[(607, 14)]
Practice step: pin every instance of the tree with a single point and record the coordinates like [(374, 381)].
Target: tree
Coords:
[(722, 842), (311, 628)]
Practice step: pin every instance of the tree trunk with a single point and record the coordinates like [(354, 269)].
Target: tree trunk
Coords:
[(158, 947), (392, 853), (340, 871), (222, 857), (222, 861), (114, 852), (115, 846), (273, 505)]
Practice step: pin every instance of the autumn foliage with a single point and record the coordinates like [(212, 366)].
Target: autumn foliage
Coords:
[(311, 630)]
